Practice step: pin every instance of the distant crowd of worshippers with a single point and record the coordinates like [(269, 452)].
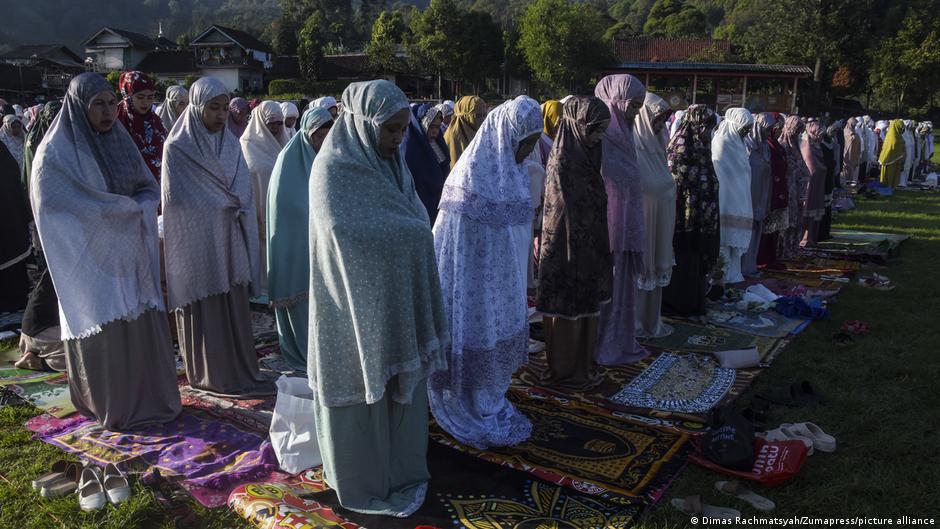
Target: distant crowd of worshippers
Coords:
[(399, 245)]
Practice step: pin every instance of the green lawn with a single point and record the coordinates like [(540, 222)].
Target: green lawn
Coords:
[(884, 407)]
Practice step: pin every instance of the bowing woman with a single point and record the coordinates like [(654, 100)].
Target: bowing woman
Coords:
[(288, 211), (377, 325), (211, 245), (95, 206)]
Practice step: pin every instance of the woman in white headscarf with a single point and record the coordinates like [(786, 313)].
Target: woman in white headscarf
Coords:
[(377, 325), (677, 118), (95, 205), (482, 237), (287, 235), (328, 102), (177, 97), (261, 143), (211, 247), (291, 115), (733, 168), (13, 136), (909, 151), (659, 211)]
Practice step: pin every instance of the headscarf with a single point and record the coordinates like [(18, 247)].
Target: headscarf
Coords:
[(14, 144), (290, 111), (18, 110), (370, 324), (778, 218), (489, 186), (95, 204), (35, 136), (619, 167), (894, 149), (690, 163), (551, 113), (288, 210), (254, 103), (759, 159), (427, 168), (238, 108), (729, 154), (147, 130), (812, 149), (31, 115), (167, 109), (326, 102), (463, 127), (206, 184), (852, 151), (676, 122), (575, 268), (909, 151), (261, 149), (797, 173)]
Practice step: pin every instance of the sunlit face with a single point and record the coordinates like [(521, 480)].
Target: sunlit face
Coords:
[(215, 113), (318, 136), (102, 111), (290, 122), (276, 127), (16, 128), (434, 129), (526, 147), (597, 132), (181, 106), (142, 101), (392, 132)]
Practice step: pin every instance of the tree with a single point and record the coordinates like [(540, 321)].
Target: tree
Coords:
[(907, 65), (565, 53), (479, 47), (675, 18), (285, 36), (310, 46), (431, 47), (388, 33)]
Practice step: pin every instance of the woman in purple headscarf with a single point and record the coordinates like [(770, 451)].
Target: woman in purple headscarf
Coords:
[(813, 189), (624, 96), (238, 116), (796, 173)]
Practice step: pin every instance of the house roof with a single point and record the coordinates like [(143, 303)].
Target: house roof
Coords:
[(168, 61), (134, 39), (655, 49), (166, 43), (694, 67), (54, 52), (245, 40)]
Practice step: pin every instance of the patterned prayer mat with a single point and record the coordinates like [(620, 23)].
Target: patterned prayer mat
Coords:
[(684, 383), (768, 323), (574, 444), (263, 326), (49, 393), (209, 457), (463, 492), (696, 338), (613, 380)]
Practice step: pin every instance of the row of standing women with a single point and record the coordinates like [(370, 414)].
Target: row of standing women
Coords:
[(398, 269)]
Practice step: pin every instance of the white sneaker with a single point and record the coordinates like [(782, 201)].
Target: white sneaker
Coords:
[(115, 484), (91, 496)]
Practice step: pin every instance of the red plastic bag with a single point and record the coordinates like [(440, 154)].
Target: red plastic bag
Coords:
[(776, 462)]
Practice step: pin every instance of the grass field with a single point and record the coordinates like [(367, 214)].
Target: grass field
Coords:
[(884, 407)]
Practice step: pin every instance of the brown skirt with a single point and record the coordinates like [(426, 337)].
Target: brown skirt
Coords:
[(218, 348), (125, 375), (569, 348)]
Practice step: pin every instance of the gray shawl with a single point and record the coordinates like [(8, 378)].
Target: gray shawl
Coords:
[(209, 223), (95, 204), (376, 309)]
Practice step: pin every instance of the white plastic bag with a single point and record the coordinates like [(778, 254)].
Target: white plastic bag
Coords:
[(293, 428)]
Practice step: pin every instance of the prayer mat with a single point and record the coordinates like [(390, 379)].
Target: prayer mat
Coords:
[(696, 338), (263, 327), (613, 380), (463, 492), (49, 393), (207, 456), (251, 414), (572, 444), (684, 383), (767, 323)]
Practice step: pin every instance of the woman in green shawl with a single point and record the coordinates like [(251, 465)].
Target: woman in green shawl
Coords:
[(892, 154), (468, 116), (35, 135), (377, 322), (288, 211)]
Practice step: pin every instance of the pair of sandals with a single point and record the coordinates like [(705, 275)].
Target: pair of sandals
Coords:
[(694, 506), (96, 488), (811, 435)]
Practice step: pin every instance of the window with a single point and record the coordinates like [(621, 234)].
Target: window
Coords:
[(769, 94), (675, 89)]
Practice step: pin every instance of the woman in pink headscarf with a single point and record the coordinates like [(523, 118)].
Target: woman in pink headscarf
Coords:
[(624, 96), (813, 199), (238, 116), (136, 113)]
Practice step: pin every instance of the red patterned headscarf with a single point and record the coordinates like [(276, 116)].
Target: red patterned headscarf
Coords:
[(147, 130)]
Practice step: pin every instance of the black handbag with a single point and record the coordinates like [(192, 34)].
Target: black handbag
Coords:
[(730, 440)]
